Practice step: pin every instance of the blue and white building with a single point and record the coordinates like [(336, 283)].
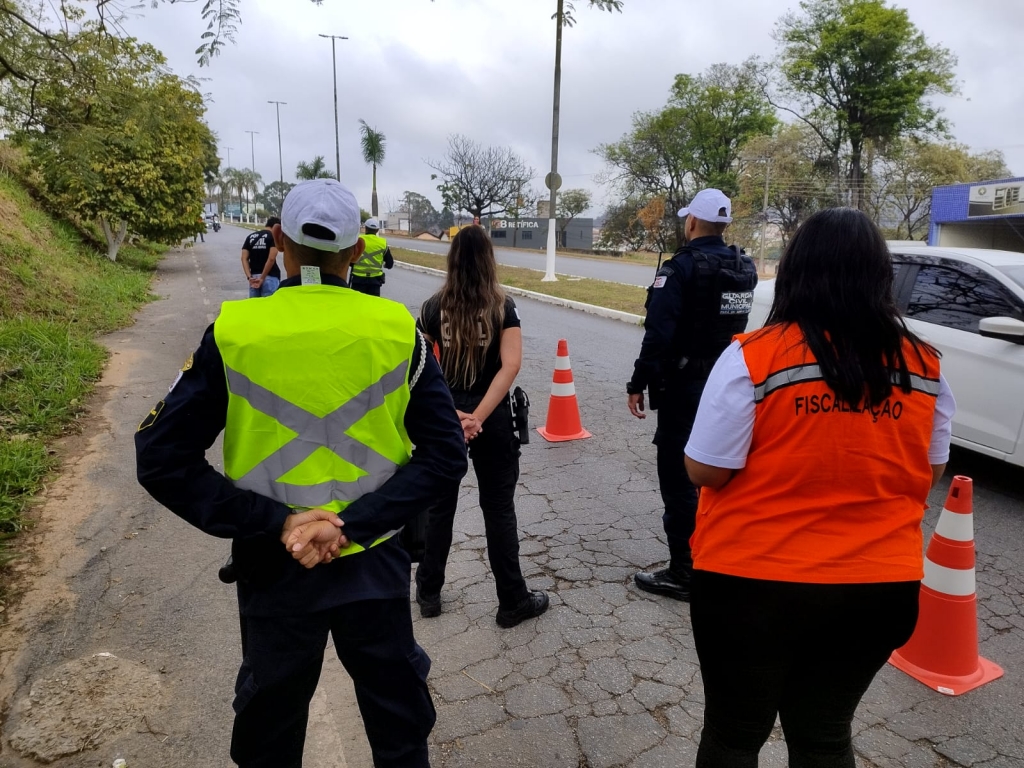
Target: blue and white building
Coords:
[(987, 214)]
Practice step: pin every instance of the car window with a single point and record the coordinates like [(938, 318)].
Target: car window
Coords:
[(949, 297)]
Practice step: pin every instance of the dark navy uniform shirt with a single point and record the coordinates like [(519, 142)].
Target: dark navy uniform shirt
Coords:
[(666, 310), (171, 447)]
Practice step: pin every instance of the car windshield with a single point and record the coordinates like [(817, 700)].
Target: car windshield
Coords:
[(1015, 273)]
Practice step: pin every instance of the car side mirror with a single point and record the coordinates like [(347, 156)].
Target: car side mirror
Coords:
[(1005, 328)]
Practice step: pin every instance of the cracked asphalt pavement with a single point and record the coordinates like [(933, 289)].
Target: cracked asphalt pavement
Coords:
[(123, 613), (609, 676)]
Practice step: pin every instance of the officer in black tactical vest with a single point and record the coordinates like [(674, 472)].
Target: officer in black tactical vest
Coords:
[(700, 298)]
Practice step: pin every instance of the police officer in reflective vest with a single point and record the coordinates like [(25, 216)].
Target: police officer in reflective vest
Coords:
[(321, 393), (368, 269), (700, 299)]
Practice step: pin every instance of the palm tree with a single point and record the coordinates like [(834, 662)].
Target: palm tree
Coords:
[(233, 180), (315, 170), (251, 181), (374, 145)]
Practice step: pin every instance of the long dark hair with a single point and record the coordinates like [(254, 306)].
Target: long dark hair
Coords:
[(472, 305), (836, 282)]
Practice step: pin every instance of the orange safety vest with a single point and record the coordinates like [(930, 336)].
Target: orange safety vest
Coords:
[(831, 493)]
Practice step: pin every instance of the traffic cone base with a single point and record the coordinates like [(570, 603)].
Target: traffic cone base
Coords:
[(943, 651), (563, 422), (951, 686)]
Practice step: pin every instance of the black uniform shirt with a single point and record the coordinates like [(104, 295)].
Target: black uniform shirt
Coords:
[(258, 244), (430, 322), (666, 311), (171, 447)]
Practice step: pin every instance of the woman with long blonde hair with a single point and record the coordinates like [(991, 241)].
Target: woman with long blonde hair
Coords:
[(476, 329)]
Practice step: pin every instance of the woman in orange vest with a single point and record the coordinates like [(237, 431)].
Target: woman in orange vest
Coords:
[(816, 443)]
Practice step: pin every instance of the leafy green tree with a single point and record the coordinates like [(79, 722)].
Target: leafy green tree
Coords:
[(117, 139), (622, 229), (796, 166), (692, 142), (571, 203), (907, 172), (317, 169), (373, 144), (422, 214), (860, 72), (273, 195)]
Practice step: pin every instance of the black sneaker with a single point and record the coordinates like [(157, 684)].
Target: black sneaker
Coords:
[(665, 582), (534, 605), (430, 605)]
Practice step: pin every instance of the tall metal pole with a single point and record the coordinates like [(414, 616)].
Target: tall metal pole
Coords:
[(280, 157), (229, 155), (252, 148), (334, 65), (552, 179), (764, 211)]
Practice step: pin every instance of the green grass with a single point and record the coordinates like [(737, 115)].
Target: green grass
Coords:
[(626, 298), (57, 295)]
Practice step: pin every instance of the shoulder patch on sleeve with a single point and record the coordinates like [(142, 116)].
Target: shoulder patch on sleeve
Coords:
[(188, 363), (151, 417), (659, 281)]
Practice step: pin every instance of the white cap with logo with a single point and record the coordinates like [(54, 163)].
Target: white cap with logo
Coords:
[(326, 203), (371, 224), (709, 205)]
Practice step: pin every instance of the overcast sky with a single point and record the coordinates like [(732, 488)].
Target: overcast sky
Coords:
[(419, 71)]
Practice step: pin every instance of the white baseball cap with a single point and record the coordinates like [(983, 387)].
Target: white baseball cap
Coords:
[(324, 203), (371, 224), (707, 205)]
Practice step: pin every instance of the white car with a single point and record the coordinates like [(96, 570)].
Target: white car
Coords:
[(969, 304)]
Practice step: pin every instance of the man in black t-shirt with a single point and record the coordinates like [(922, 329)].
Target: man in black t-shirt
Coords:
[(259, 261)]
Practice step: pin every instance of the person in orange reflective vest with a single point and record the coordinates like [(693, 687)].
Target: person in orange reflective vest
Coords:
[(815, 445)]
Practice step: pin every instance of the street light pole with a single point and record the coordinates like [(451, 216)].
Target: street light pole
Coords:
[(553, 180), (252, 148), (280, 157), (764, 211), (334, 65)]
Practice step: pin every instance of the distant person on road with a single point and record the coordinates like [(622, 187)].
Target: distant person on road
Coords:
[(700, 299), (368, 271), (200, 231), (259, 261), (815, 446), (321, 393), (477, 331)]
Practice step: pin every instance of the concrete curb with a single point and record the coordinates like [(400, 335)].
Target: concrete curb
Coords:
[(592, 309)]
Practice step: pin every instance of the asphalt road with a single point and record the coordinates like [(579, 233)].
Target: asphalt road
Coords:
[(573, 266), (607, 678)]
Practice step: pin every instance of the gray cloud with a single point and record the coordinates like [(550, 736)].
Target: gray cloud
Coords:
[(419, 71)]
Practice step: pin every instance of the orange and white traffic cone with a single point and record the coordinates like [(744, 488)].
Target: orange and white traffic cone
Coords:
[(563, 411), (943, 651)]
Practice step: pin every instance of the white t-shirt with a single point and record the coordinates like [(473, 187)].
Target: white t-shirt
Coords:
[(724, 425)]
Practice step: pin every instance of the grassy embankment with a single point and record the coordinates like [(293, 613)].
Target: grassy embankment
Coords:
[(627, 298), (57, 294)]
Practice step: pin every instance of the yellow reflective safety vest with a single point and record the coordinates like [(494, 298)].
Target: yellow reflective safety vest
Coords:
[(316, 402), (371, 263)]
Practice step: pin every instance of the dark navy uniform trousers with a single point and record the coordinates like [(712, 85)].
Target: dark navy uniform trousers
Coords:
[(281, 667)]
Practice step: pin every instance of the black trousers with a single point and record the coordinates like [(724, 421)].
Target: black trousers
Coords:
[(804, 652), (679, 495), (495, 457), (369, 286), (282, 657)]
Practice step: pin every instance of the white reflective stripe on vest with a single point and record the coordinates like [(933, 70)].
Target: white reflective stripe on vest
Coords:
[(955, 527), (949, 581), (313, 433)]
